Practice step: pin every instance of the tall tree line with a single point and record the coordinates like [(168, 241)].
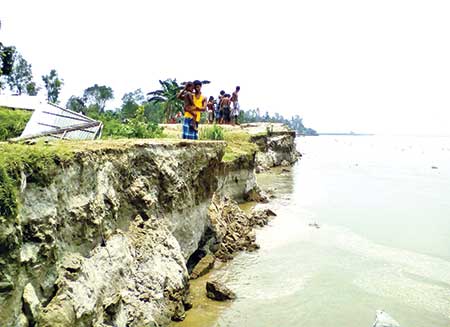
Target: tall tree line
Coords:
[(160, 106), (295, 122)]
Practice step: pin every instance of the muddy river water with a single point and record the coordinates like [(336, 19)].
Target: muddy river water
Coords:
[(363, 224)]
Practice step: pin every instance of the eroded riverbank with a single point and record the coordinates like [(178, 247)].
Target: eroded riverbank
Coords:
[(206, 312), (103, 235)]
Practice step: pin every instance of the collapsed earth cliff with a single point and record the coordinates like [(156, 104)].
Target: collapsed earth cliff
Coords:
[(105, 239)]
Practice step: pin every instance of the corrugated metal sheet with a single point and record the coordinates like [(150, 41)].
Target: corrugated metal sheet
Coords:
[(51, 120)]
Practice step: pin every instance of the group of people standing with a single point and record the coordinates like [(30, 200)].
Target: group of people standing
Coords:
[(223, 111), (226, 109)]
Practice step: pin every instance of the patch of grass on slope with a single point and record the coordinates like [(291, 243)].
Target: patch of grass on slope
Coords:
[(12, 122), (238, 144), (39, 162)]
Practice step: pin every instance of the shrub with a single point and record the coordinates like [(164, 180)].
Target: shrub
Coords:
[(213, 132), (12, 122), (137, 127)]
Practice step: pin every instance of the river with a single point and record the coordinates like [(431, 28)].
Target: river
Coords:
[(382, 241)]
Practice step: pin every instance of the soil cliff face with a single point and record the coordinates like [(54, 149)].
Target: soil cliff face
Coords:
[(107, 241), (276, 149)]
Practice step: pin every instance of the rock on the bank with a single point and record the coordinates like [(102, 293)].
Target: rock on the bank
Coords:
[(217, 291), (256, 195), (31, 303), (231, 228), (203, 267), (260, 217)]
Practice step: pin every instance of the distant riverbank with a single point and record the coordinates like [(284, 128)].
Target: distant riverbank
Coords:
[(347, 134)]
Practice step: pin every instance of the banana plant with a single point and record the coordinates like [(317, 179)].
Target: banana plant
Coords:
[(168, 96)]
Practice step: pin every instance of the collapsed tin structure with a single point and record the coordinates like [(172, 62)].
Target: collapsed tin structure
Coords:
[(50, 120)]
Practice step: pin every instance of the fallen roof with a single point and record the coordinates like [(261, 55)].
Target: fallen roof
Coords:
[(51, 120)]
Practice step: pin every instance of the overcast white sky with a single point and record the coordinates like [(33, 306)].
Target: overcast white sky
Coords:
[(367, 66)]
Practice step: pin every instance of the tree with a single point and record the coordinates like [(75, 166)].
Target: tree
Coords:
[(296, 124), (32, 89), (21, 76), (278, 118), (53, 85), (131, 102), (250, 116), (95, 97), (76, 104), (167, 95), (154, 112), (7, 59)]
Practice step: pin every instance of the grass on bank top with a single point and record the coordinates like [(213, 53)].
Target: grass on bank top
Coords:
[(38, 162), (34, 159), (238, 141), (42, 155), (212, 132), (238, 144)]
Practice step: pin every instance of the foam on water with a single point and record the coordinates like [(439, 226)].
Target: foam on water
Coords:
[(417, 279)]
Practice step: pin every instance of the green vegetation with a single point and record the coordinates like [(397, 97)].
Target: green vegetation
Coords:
[(53, 85), (136, 127), (296, 122), (15, 71), (162, 105), (214, 132), (167, 95), (93, 100), (131, 102), (238, 144), (136, 118), (12, 122), (38, 162), (6, 59), (21, 78), (96, 97), (8, 195)]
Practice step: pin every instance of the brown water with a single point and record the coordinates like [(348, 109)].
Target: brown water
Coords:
[(205, 311)]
